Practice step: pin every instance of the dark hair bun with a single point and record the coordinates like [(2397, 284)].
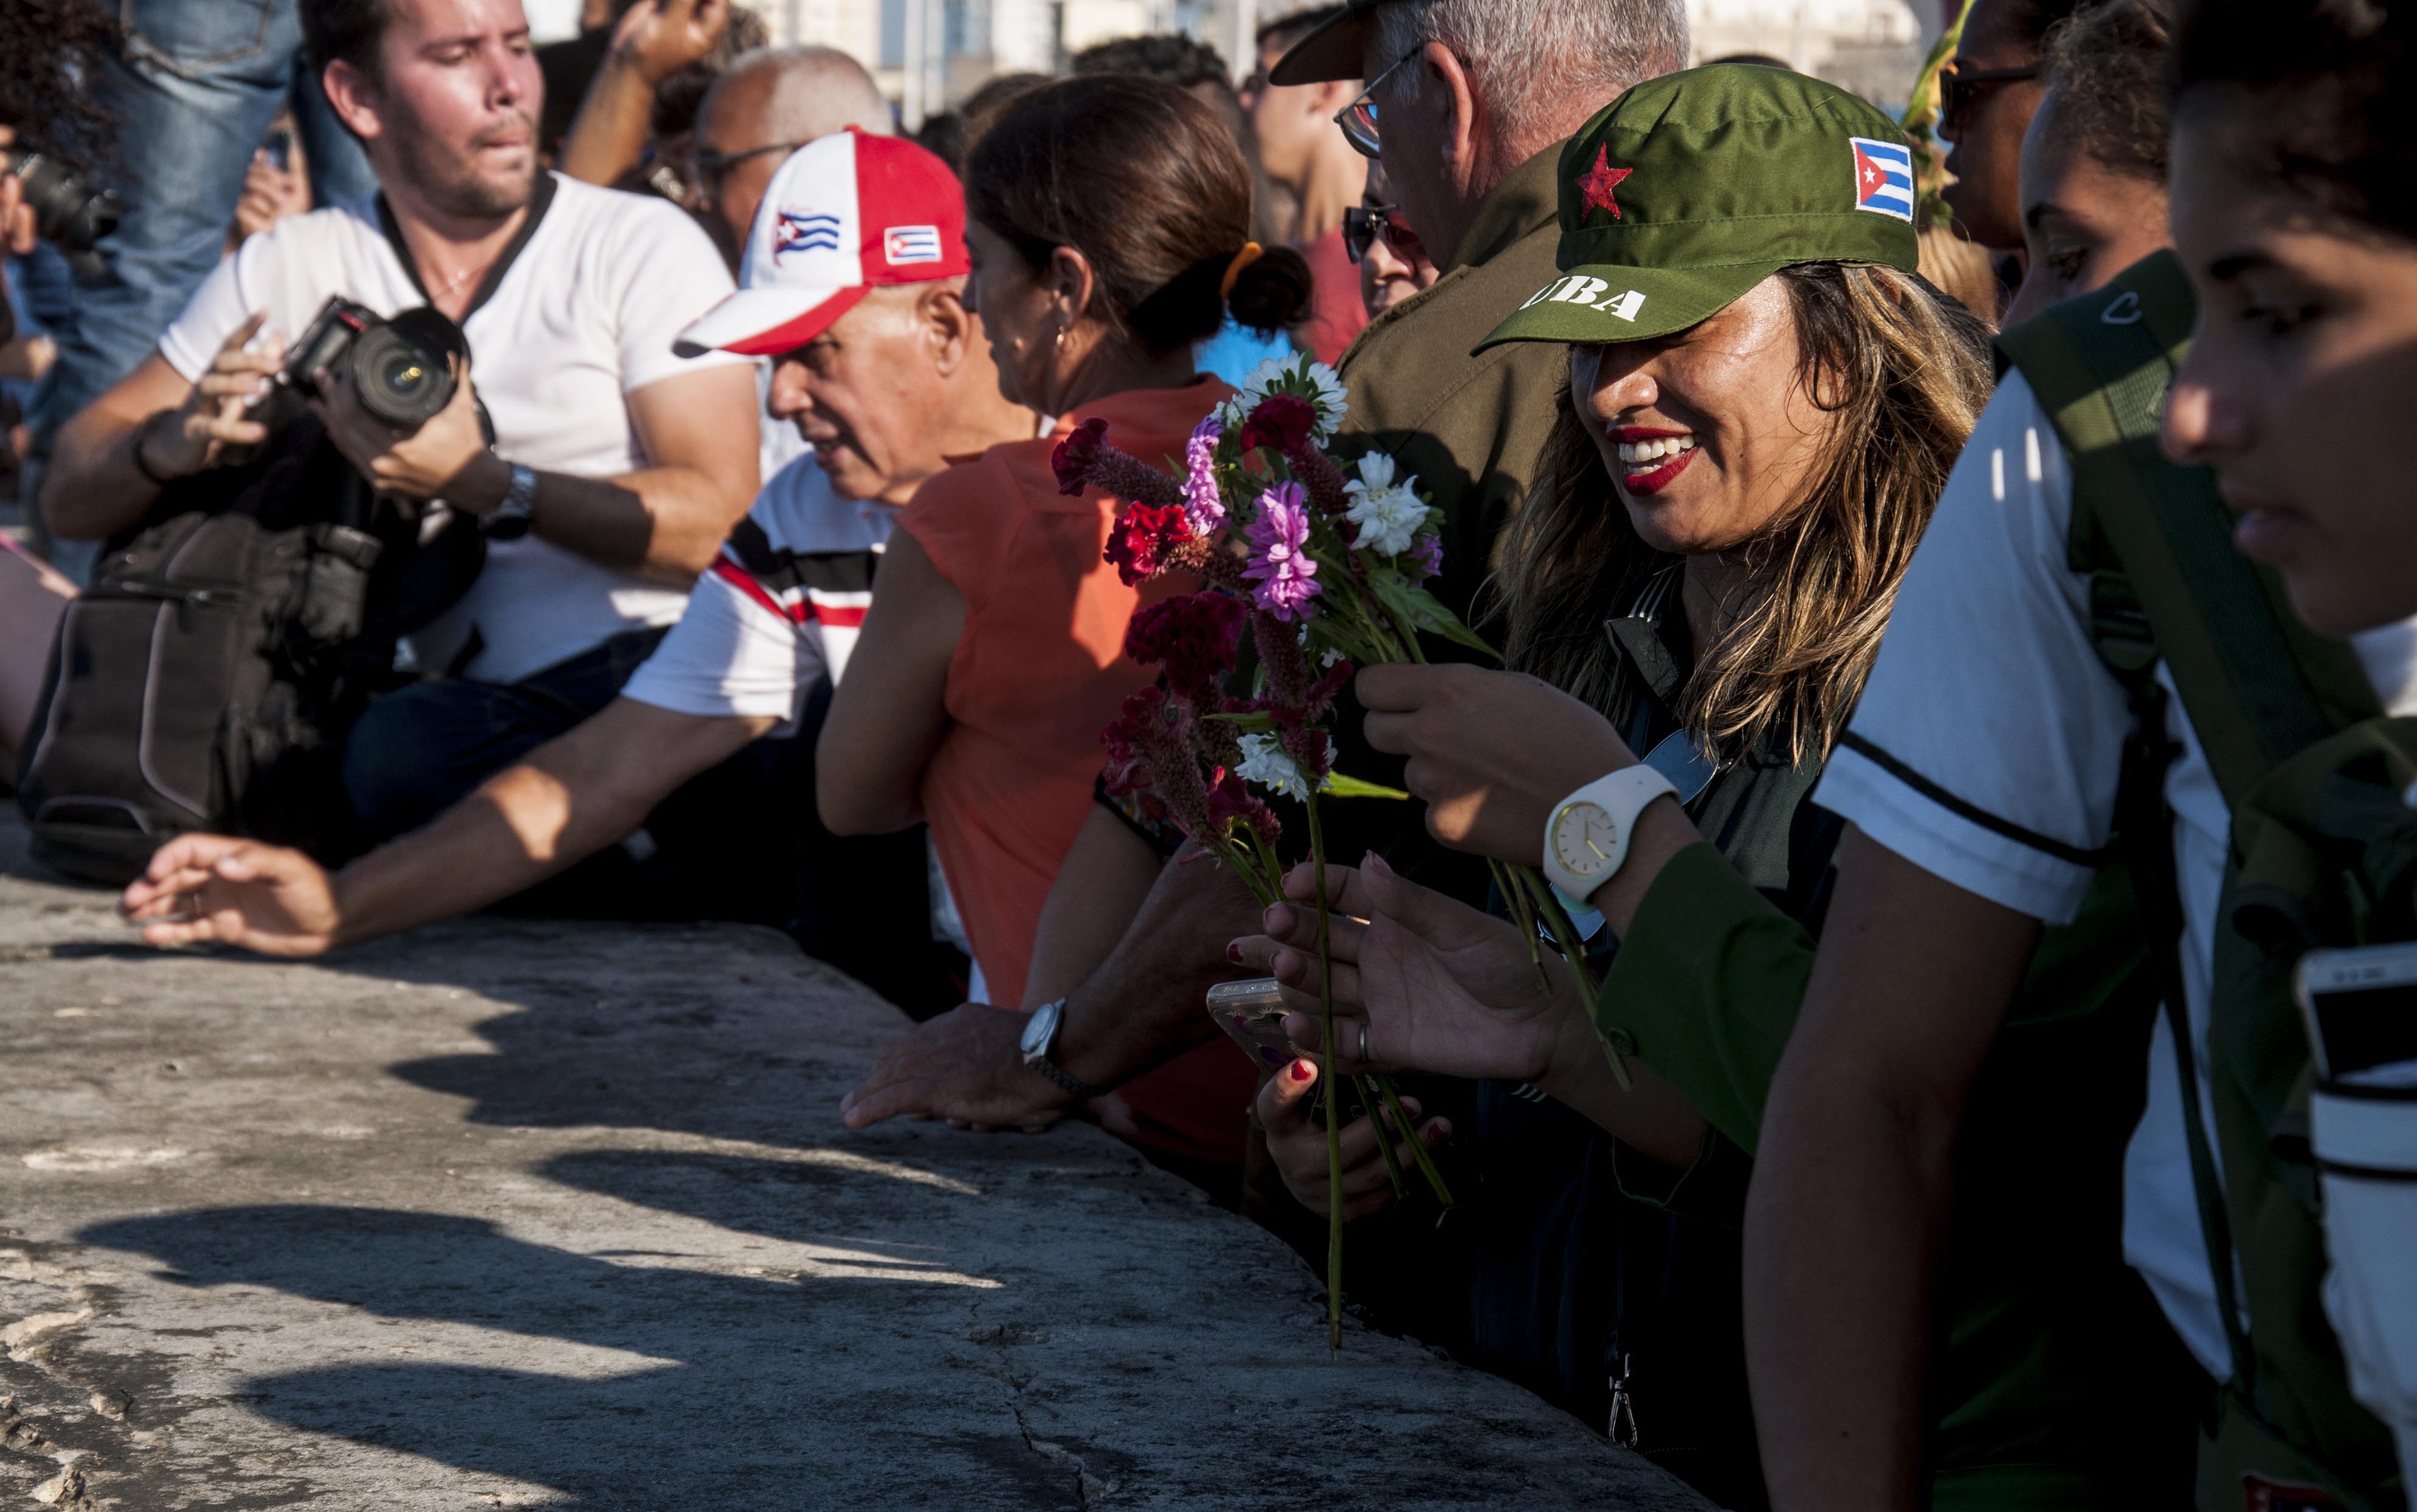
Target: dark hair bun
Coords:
[(1147, 183), (1273, 291)]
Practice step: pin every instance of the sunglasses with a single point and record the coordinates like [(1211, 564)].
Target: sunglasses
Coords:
[(709, 169), (1363, 224), (1961, 90), (1359, 118)]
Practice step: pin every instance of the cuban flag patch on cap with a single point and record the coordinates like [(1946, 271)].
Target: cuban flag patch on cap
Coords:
[(905, 244), (1883, 177)]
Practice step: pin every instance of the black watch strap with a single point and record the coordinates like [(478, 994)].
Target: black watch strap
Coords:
[(1065, 1078)]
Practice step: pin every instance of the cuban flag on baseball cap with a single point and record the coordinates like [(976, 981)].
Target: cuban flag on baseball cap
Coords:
[(843, 216), (1883, 177)]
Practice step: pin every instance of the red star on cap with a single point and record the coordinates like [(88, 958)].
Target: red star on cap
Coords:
[(1599, 181)]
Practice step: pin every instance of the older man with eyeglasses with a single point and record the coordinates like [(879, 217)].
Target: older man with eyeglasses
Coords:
[(769, 103)]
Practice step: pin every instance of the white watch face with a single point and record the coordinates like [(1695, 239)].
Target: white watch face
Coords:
[(1037, 1033), (1585, 839)]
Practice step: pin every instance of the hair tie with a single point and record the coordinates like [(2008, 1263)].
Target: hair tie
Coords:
[(1250, 252)]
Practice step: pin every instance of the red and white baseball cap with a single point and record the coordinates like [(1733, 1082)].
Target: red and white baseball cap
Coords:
[(842, 217)]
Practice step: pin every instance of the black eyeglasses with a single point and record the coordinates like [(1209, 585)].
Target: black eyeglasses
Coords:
[(1961, 90), (710, 167), (1363, 224), (1359, 118)]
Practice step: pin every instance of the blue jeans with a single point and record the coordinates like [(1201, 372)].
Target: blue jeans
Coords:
[(419, 751), (193, 94)]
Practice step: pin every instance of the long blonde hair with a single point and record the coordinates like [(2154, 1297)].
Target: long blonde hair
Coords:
[(1903, 371)]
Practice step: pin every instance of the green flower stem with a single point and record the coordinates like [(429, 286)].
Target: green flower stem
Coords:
[(1565, 934), (1333, 1088), (1268, 890), (1523, 915), (1417, 1146), (1372, 1101)]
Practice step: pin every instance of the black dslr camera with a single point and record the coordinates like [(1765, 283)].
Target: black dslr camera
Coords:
[(399, 369), (68, 213)]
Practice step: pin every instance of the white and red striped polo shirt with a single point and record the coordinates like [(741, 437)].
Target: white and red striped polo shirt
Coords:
[(778, 612)]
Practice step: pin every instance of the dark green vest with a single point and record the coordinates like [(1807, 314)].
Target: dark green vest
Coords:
[(2322, 853)]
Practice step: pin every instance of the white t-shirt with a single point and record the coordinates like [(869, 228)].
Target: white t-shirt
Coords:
[(1988, 702), (782, 607), (584, 317)]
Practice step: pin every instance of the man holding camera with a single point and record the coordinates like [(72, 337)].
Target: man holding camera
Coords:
[(881, 364), (617, 466)]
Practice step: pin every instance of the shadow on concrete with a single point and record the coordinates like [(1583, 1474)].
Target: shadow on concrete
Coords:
[(783, 1200), (740, 1390), (660, 1054)]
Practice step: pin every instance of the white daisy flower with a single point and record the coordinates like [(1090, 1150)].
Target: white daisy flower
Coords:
[(1390, 515), (1325, 393), (1266, 763)]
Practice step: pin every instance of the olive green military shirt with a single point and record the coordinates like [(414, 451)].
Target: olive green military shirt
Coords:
[(1470, 428)]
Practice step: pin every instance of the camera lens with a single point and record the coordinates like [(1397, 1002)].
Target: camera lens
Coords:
[(398, 380), (68, 212)]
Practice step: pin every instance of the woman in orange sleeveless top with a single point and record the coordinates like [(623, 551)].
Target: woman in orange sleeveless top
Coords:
[(1108, 217)]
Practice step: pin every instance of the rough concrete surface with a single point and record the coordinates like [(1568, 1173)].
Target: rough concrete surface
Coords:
[(521, 1214)]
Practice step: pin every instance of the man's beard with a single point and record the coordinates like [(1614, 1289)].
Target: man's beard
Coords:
[(444, 178)]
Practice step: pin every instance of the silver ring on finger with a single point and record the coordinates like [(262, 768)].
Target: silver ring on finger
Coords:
[(1363, 1041)]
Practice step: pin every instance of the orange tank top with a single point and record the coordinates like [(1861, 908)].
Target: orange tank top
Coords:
[(1039, 670)]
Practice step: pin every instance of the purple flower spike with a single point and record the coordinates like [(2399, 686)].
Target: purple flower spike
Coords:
[(1201, 499), (1425, 557), (1281, 573)]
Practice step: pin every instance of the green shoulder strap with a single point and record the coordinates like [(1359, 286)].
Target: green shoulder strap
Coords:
[(2260, 689), (2260, 686)]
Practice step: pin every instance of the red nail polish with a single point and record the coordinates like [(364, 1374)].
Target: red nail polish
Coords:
[(1301, 1071), (1234, 953)]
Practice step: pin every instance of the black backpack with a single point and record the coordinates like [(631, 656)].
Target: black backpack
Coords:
[(208, 677)]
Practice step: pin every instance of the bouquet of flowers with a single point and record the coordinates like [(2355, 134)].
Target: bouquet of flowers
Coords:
[(1324, 571)]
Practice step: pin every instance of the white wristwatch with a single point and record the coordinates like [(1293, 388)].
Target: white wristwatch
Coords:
[(1585, 838)]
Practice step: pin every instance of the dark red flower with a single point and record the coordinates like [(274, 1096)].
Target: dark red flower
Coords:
[(1147, 540), (1077, 454), (1192, 639), (1130, 739), (1150, 750), (1282, 424)]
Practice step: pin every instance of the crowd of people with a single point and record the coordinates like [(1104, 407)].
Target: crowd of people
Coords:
[(1957, 652)]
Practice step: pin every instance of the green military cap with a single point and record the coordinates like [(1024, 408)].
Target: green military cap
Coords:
[(1691, 188)]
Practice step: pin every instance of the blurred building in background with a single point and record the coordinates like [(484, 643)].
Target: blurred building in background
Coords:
[(931, 53)]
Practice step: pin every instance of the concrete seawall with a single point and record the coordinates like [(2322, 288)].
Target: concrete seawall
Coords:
[(518, 1214)]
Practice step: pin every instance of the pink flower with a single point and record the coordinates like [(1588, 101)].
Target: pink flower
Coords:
[(1147, 540), (1201, 498), (1281, 573), (1192, 639)]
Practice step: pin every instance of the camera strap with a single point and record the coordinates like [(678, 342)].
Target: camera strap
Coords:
[(541, 199)]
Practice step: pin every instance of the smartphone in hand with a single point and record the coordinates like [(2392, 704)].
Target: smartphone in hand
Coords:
[(1253, 1013)]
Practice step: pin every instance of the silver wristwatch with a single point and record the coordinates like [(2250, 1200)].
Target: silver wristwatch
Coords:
[(1038, 1036), (511, 520)]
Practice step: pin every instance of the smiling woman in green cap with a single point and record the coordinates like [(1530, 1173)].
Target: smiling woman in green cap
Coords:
[(1765, 402)]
